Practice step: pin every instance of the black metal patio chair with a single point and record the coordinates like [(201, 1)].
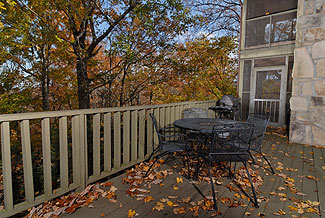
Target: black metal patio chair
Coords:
[(169, 142), (229, 143), (260, 123)]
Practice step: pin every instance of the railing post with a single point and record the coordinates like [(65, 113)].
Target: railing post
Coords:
[(6, 166), (82, 138)]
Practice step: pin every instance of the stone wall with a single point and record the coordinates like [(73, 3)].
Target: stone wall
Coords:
[(307, 104)]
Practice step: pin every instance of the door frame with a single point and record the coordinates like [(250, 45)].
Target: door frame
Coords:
[(283, 91)]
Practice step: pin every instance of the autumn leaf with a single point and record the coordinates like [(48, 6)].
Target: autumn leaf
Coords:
[(248, 213), (232, 188), (160, 206), (179, 180), (170, 203), (175, 188), (148, 199), (131, 213), (186, 200), (107, 184), (312, 177), (179, 210), (113, 189), (279, 213)]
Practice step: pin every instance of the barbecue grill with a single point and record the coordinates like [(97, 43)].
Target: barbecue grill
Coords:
[(227, 108)]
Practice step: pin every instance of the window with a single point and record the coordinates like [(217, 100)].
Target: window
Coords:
[(266, 25), (258, 8)]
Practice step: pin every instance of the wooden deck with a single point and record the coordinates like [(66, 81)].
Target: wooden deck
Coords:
[(301, 178)]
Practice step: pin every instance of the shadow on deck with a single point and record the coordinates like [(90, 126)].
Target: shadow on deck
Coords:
[(293, 192)]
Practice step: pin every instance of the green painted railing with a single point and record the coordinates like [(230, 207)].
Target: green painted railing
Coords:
[(105, 140)]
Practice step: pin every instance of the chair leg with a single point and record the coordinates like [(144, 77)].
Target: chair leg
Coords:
[(212, 189), (253, 160), (267, 161), (253, 188), (153, 152)]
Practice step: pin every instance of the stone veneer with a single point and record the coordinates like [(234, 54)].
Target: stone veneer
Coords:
[(307, 104)]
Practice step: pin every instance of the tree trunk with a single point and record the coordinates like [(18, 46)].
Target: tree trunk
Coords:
[(83, 83), (45, 92)]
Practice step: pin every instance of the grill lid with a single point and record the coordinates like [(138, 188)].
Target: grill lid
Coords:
[(228, 101)]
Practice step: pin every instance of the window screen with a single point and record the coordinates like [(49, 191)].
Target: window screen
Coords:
[(258, 32), (247, 75), (268, 84), (257, 8), (245, 106), (284, 27)]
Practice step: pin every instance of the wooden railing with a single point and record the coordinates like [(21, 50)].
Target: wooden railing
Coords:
[(271, 107), (92, 144)]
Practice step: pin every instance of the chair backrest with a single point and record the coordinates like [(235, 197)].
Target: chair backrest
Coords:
[(260, 123), (232, 137), (155, 124), (195, 113)]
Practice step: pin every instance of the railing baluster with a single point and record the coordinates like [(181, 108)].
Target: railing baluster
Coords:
[(134, 135), (63, 132), (149, 133), (117, 140), (27, 161), (96, 144), (172, 114), (107, 143), (142, 117), (162, 117), (155, 139), (126, 137), (46, 148), (76, 149), (167, 114), (6, 166)]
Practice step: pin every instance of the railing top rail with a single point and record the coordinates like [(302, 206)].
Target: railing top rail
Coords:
[(266, 100), (50, 114)]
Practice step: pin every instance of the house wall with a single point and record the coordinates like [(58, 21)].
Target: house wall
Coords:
[(307, 122)]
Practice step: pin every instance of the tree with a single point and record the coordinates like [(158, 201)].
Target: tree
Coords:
[(218, 16), (27, 41), (202, 69)]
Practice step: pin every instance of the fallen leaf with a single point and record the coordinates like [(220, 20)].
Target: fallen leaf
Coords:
[(179, 180), (159, 207), (113, 189), (186, 200), (301, 194), (170, 203), (248, 213), (175, 188), (179, 210), (131, 213), (148, 199), (261, 214), (312, 177)]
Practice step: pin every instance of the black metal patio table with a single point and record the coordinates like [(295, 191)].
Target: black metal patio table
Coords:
[(202, 125)]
